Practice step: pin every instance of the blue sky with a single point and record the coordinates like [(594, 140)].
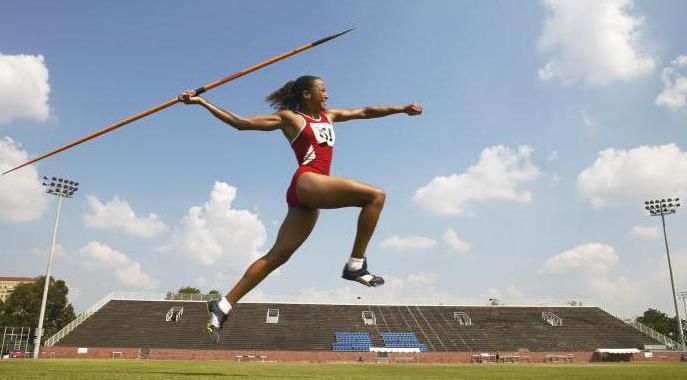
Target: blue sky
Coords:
[(546, 125)]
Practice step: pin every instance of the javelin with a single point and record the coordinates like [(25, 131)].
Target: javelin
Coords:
[(197, 91)]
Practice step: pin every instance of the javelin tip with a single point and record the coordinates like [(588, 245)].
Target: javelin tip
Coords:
[(323, 40)]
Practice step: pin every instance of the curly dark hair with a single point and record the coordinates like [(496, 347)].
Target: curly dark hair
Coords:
[(289, 96)]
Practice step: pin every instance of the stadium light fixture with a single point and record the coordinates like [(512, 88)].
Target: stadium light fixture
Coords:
[(663, 207), (61, 188)]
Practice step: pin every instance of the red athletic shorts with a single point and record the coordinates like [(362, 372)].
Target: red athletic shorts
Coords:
[(291, 198)]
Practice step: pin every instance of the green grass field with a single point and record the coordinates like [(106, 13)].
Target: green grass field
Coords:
[(131, 369)]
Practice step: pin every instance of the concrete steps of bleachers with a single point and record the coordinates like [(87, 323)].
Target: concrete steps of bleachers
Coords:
[(122, 323)]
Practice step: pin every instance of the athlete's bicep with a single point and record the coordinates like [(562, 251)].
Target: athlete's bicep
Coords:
[(339, 115)]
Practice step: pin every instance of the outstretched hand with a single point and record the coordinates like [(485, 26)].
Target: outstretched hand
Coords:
[(189, 97), (413, 109)]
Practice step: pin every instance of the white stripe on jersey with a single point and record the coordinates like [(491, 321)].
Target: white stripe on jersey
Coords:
[(309, 156)]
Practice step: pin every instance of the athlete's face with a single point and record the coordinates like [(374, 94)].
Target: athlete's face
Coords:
[(317, 96)]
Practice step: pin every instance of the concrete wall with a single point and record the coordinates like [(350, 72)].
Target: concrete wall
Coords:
[(328, 356)]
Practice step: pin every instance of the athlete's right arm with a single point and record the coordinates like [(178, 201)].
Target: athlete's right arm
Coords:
[(258, 123)]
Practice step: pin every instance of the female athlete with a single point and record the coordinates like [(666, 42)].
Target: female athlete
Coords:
[(302, 116)]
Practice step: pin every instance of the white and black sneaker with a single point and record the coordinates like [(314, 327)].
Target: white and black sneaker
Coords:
[(362, 275), (215, 321)]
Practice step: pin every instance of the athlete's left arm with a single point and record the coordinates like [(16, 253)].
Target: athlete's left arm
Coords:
[(339, 115)]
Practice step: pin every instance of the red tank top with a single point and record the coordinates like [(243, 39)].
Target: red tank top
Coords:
[(314, 144)]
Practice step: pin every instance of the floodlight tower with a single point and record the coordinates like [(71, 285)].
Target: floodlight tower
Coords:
[(683, 295), (665, 207), (61, 188)]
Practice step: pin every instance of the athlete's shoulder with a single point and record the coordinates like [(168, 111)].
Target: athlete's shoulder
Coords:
[(290, 117)]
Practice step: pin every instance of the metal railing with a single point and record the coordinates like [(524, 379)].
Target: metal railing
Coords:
[(169, 296), (174, 314), (128, 296), (77, 321), (670, 343), (552, 318), (462, 318), (666, 340)]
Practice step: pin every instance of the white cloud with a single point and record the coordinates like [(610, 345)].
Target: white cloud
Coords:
[(586, 272), (413, 289), (21, 195), (609, 288), (118, 215), (128, 272), (674, 84), (619, 176), (497, 175), (408, 243), (592, 41), (646, 232), (419, 288), (451, 238), (24, 88), (217, 233), (592, 258), (590, 273)]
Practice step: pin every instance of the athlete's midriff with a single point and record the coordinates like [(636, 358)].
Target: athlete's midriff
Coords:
[(313, 148)]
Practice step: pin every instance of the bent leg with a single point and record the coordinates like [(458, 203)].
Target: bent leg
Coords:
[(295, 228), (321, 191)]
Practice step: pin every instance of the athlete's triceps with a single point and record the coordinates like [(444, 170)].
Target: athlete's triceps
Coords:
[(322, 191), (341, 115), (259, 122)]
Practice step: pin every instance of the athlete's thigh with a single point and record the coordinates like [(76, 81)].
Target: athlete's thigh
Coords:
[(321, 191), (295, 228)]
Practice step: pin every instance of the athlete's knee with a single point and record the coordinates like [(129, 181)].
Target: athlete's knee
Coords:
[(378, 197)]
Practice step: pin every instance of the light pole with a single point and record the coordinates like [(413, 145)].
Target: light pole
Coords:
[(683, 295), (665, 207), (61, 188)]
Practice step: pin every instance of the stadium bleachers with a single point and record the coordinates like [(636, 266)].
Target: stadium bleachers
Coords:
[(402, 340), (352, 341), (125, 323)]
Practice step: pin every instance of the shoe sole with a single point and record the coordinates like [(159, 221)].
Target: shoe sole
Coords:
[(364, 282)]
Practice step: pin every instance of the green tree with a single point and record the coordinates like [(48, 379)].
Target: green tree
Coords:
[(660, 322), (23, 306), (214, 291), (189, 290)]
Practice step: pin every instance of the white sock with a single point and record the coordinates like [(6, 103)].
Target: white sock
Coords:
[(367, 277), (355, 264), (224, 305)]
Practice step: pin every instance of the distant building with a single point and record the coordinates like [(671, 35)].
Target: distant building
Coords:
[(7, 285)]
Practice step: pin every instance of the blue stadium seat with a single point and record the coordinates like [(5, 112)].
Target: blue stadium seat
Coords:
[(352, 341), (402, 340)]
